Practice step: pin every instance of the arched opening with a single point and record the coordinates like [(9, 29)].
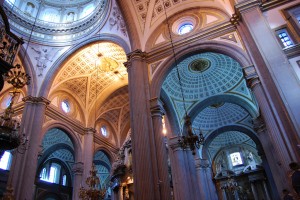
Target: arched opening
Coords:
[(211, 88), (55, 161)]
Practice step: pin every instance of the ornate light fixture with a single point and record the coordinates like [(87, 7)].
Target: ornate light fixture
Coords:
[(189, 140), (9, 127), (93, 192)]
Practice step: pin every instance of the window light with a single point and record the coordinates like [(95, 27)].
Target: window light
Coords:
[(236, 159), (285, 38), (185, 28), (5, 160)]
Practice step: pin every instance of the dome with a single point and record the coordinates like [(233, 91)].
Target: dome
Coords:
[(56, 20)]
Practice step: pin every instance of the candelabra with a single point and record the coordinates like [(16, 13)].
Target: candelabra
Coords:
[(93, 192)]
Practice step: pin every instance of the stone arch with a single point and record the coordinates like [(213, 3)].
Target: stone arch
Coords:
[(51, 74), (223, 98), (246, 130), (186, 51), (70, 133)]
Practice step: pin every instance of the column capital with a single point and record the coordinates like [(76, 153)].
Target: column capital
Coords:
[(259, 125), (78, 168), (201, 163), (90, 131), (36, 100), (156, 107), (135, 55), (251, 76)]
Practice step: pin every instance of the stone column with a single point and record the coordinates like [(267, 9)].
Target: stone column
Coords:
[(157, 112), (204, 175), (269, 134), (254, 192), (24, 166), (144, 162), (183, 172), (88, 153), (266, 190), (77, 179), (279, 85)]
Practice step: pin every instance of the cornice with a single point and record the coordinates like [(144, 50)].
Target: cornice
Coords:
[(36, 100), (292, 51), (165, 50), (101, 141), (55, 114), (246, 5), (273, 3)]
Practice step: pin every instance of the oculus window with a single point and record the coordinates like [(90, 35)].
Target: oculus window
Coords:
[(185, 28), (65, 105), (104, 131)]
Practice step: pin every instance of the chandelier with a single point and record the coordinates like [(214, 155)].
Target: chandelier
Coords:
[(9, 127), (92, 192), (189, 140)]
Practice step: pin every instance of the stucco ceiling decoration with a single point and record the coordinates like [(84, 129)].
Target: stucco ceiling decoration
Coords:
[(214, 117), (58, 21), (229, 138), (203, 76), (115, 110), (81, 75), (141, 9), (56, 136), (222, 74), (62, 154)]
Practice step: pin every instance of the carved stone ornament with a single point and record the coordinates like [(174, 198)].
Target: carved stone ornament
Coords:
[(259, 124), (234, 20), (116, 20)]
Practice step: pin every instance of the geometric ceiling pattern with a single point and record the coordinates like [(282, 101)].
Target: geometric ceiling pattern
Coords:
[(115, 110), (103, 168), (83, 75), (62, 154), (213, 117), (56, 136), (227, 139), (201, 75)]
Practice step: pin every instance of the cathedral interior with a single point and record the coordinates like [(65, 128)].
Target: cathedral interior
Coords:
[(150, 99)]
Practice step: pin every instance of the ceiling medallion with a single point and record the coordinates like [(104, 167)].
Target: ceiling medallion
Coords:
[(199, 65)]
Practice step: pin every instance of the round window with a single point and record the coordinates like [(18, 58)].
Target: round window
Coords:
[(104, 131), (185, 28), (65, 105)]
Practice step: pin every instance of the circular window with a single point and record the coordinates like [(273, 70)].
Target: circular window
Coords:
[(65, 105), (104, 131), (185, 28)]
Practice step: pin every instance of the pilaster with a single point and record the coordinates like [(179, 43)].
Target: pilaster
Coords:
[(268, 132), (88, 153), (205, 180), (157, 111), (77, 179), (183, 172), (24, 166), (279, 85), (145, 169)]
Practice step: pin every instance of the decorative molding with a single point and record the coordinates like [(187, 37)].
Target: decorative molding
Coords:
[(251, 76), (292, 51), (234, 20), (78, 168), (201, 163), (35, 100), (246, 5), (267, 5), (135, 55), (117, 21), (259, 125)]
